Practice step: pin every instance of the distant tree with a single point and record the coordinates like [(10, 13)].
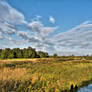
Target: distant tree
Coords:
[(0, 52), (31, 52), (21, 53), (25, 53), (46, 54), (55, 55), (11, 54), (5, 53), (42, 54), (17, 53)]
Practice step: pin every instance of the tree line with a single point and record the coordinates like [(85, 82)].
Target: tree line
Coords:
[(22, 53)]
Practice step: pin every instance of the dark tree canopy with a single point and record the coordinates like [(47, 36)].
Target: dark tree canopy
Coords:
[(42, 54), (22, 53), (55, 55)]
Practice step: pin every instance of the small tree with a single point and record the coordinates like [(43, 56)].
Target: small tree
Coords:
[(42, 54), (10, 54), (55, 55)]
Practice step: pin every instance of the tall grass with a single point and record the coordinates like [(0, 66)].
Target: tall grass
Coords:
[(44, 75)]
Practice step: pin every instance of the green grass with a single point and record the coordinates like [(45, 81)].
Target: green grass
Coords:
[(45, 75)]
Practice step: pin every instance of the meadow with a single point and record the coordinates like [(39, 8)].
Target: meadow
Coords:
[(44, 74)]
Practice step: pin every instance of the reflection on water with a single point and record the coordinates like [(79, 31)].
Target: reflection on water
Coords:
[(86, 89)]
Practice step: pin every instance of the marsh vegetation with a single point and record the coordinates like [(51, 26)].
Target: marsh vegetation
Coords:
[(44, 74)]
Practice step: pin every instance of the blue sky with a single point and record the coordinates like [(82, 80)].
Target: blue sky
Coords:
[(67, 13), (56, 26)]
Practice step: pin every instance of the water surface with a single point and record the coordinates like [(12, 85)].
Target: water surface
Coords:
[(86, 89)]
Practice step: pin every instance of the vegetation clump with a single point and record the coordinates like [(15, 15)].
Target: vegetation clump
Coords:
[(44, 74), (22, 53)]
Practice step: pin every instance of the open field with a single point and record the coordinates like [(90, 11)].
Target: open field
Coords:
[(43, 75)]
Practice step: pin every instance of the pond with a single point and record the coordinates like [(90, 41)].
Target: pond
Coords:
[(86, 89)]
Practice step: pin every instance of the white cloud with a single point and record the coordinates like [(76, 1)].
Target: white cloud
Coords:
[(52, 20), (43, 33), (7, 28), (10, 17), (27, 37), (1, 37), (35, 26), (37, 18), (10, 14), (42, 30), (77, 40)]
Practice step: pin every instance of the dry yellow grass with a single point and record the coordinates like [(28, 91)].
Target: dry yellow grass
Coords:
[(53, 73), (12, 74)]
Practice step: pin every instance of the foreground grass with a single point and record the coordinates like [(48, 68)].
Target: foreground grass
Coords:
[(43, 75)]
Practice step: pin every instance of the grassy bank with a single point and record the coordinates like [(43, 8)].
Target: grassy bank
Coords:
[(43, 75)]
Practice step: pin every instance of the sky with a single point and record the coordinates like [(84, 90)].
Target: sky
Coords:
[(54, 26)]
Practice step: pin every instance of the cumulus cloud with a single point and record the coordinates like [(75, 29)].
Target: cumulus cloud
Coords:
[(27, 37), (35, 26), (10, 18), (38, 27), (37, 18), (10, 14), (7, 28), (52, 20), (43, 33), (1, 37), (11, 41), (77, 40)]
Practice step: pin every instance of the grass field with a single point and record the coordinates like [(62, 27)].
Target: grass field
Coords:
[(43, 75)]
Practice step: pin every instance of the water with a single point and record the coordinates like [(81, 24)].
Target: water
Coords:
[(86, 89)]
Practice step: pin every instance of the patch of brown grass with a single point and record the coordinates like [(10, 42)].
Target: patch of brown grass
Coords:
[(12, 74)]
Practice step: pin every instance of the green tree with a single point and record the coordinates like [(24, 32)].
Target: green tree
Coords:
[(17, 53), (0, 52), (42, 54), (29, 53), (22, 53), (11, 54), (5, 53), (55, 55)]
